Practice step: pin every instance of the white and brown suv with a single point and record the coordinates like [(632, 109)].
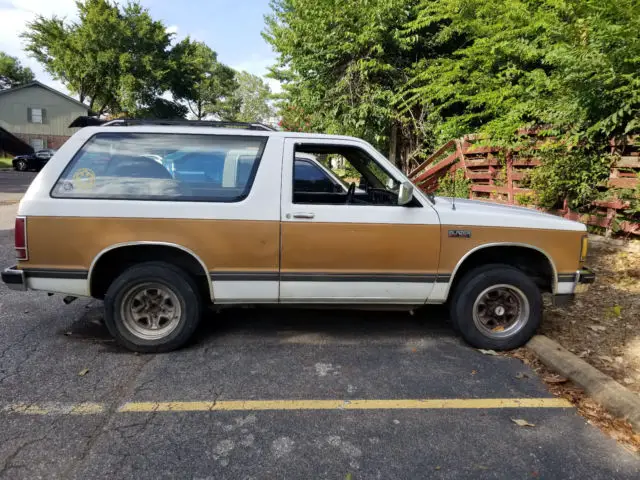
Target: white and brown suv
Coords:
[(162, 220)]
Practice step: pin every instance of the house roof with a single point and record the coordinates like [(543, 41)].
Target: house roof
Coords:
[(36, 83)]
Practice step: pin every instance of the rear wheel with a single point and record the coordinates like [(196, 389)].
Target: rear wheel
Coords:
[(496, 307), (152, 307), (21, 165)]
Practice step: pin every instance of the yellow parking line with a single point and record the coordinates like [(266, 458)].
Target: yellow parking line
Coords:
[(54, 408), (90, 408), (405, 404)]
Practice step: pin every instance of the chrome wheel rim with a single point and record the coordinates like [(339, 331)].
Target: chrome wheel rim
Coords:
[(151, 311), (22, 165), (500, 311)]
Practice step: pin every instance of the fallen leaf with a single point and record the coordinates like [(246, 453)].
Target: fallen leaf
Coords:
[(597, 328), (628, 380), (83, 372), (606, 358), (616, 310), (473, 372), (521, 375), (437, 467), (68, 334), (554, 379), (584, 354), (522, 423), (487, 352), (499, 328)]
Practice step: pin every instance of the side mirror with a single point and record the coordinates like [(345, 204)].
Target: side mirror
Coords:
[(405, 193)]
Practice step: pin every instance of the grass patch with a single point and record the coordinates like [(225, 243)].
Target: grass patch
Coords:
[(5, 162)]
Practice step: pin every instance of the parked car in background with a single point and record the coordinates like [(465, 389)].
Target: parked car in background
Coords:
[(33, 161)]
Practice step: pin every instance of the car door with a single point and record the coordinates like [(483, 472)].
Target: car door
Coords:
[(339, 253)]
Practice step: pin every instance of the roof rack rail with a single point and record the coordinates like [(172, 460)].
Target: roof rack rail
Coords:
[(126, 122)]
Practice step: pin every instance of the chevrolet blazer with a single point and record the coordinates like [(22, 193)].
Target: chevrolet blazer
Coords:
[(160, 221)]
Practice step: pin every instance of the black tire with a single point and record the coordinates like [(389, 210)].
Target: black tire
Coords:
[(168, 276), (470, 288), (21, 166)]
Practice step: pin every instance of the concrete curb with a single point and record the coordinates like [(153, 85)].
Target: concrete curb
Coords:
[(619, 400)]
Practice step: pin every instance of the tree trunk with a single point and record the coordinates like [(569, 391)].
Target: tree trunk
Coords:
[(393, 144)]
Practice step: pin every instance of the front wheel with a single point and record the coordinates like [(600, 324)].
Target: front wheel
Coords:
[(152, 307), (496, 307), (21, 166)]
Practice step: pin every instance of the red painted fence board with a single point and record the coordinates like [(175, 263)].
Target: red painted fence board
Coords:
[(498, 179)]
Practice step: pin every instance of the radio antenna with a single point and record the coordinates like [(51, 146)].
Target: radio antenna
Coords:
[(453, 198)]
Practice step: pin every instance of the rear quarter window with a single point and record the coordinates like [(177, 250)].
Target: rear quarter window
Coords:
[(151, 166)]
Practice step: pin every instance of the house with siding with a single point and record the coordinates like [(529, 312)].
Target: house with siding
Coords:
[(39, 115)]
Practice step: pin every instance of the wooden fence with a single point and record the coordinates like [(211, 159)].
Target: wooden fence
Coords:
[(496, 175)]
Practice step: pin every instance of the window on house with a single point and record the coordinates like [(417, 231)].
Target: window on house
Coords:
[(37, 144), (36, 115)]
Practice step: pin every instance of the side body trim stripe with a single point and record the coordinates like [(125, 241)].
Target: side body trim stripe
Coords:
[(567, 277), (244, 276), (55, 273), (329, 277)]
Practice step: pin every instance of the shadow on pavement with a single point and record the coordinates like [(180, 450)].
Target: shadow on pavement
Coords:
[(335, 322), (283, 323)]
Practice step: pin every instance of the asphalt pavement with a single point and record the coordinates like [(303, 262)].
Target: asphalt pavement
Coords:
[(12, 182), (267, 393)]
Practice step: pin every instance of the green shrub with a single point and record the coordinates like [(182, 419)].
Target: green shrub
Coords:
[(454, 185)]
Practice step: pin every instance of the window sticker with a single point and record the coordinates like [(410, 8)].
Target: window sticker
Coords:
[(84, 179)]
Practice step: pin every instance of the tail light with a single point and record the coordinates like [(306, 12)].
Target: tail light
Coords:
[(21, 239)]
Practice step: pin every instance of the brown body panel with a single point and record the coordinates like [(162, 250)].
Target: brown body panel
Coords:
[(563, 246), (359, 248), (239, 245), (74, 242)]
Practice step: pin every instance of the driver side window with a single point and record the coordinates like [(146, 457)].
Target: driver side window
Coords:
[(326, 174)]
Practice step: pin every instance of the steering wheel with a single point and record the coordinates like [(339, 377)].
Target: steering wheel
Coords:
[(350, 193)]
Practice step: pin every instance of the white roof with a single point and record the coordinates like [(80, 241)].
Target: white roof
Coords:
[(213, 130)]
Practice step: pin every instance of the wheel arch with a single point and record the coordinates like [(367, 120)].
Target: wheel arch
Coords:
[(496, 245), (126, 245)]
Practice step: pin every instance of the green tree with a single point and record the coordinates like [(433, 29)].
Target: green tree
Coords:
[(116, 58), (567, 68), (342, 65), (12, 73), (250, 101), (203, 83), (511, 64), (408, 75)]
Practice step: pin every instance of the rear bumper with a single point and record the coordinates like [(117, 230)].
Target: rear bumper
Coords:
[(14, 278)]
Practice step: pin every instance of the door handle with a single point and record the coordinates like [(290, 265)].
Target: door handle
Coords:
[(304, 215)]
